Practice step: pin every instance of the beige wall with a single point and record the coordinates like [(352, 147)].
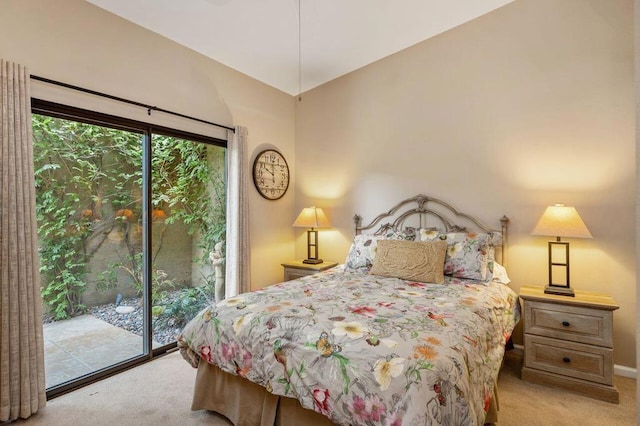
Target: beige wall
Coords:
[(524, 107), (636, 38), (527, 106), (75, 42)]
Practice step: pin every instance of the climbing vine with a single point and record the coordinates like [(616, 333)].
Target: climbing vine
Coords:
[(88, 188)]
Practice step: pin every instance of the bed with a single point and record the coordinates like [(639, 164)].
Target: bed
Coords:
[(411, 329)]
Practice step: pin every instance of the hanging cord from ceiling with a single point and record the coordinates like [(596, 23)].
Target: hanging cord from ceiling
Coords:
[(299, 52)]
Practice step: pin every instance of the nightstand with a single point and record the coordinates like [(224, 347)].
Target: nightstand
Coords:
[(296, 269), (568, 341)]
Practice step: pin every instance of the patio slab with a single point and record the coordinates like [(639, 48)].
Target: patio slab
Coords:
[(85, 344)]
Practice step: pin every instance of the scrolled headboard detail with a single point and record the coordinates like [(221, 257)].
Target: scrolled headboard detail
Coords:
[(426, 208)]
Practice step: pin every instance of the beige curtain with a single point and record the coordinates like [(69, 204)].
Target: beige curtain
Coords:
[(238, 272), (22, 375)]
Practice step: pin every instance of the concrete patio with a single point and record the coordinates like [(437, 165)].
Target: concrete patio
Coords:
[(85, 344)]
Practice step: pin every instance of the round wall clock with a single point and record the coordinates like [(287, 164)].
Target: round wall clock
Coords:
[(271, 174)]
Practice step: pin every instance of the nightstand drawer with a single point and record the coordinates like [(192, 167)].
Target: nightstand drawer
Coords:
[(292, 274), (298, 269), (569, 359), (574, 323)]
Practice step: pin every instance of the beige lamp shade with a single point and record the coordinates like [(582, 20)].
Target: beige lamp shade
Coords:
[(561, 221), (312, 217)]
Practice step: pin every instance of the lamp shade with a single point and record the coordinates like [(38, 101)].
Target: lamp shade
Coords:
[(561, 221), (312, 217)]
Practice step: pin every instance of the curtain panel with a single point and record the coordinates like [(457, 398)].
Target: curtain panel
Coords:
[(22, 373), (238, 257)]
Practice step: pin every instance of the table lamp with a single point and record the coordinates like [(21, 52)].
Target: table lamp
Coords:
[(312, 217), (560, 221)]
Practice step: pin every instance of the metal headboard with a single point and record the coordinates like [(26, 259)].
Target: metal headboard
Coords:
[(445, 213)]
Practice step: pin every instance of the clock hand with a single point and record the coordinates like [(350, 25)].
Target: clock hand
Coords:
[(267, 169)]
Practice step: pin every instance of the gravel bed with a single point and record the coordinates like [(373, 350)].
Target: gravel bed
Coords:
[(133, 321)]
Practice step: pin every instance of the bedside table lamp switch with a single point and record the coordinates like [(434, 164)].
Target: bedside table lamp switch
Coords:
[(560, 221), (312, 217)]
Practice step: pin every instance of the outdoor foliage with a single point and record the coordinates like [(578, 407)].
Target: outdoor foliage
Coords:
[(89, 180), (179, 311)]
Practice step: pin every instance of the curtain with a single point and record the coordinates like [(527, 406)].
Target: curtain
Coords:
[(22, 374), (238, 273)]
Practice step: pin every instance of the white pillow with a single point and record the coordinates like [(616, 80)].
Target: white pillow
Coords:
[(500, 273)]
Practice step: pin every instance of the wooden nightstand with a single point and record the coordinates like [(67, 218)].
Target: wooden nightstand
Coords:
[(568, 341), (296, 269)]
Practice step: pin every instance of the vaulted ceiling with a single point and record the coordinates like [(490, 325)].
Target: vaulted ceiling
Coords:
[(296, 45)]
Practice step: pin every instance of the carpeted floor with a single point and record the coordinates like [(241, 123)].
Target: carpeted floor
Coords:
[(523, 403), (159, 393)]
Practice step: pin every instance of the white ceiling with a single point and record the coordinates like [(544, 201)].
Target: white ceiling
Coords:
[(260, 37)]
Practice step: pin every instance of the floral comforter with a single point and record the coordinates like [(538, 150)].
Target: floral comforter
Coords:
[(363, 349)]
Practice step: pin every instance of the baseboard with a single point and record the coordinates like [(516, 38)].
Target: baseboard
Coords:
[(621, 370), (618, 370), (519, 349)]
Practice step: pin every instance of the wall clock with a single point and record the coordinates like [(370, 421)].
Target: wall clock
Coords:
[(271, 174)]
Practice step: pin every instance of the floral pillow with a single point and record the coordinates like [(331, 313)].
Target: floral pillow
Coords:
[(469, 255), (364, 247)]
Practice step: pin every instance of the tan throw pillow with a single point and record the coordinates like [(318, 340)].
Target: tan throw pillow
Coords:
[(411, 260)]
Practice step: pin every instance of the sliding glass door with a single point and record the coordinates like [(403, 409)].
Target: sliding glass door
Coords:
[(88, 197), (131, 225), (188, 229)]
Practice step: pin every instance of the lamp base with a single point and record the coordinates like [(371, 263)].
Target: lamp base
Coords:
[(559, 290), (312, 261)]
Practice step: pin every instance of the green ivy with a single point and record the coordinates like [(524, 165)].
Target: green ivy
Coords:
[(88, 181)]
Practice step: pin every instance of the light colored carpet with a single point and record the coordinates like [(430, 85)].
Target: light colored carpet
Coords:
[(159, 393), (523, 403)]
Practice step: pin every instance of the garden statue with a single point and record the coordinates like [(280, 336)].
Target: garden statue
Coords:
[(217, 260)]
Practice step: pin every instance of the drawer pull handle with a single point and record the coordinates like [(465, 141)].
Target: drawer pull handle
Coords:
[(566, 359), (566, 323)]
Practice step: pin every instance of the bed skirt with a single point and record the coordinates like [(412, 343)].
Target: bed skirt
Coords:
[(248, 404)]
